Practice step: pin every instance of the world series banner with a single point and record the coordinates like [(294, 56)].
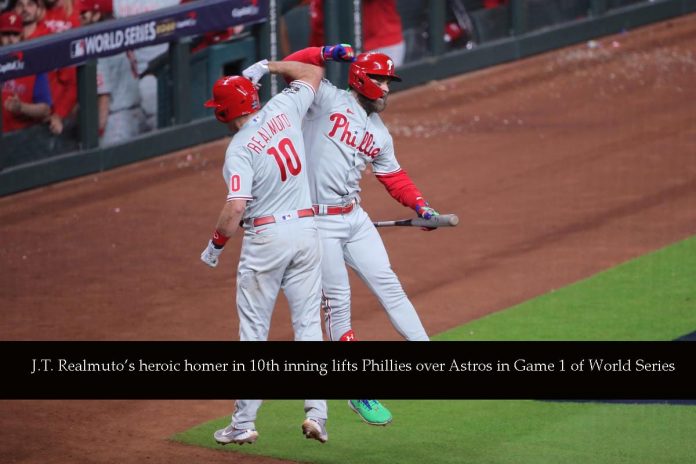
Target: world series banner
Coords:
[(76, 46)]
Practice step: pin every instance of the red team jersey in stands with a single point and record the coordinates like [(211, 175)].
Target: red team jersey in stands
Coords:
[(40, 30), (28, 92), (63, 82), (57, 19)]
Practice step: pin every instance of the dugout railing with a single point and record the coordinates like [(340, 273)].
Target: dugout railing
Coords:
[(517, 29)]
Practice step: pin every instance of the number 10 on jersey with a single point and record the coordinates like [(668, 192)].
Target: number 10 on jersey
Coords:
[(287, 158)]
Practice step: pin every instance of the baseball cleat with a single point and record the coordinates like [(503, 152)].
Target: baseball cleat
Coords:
[(371, 411), (315, 429), (239, 436)]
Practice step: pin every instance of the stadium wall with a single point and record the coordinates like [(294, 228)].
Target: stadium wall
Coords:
[(521, 42)]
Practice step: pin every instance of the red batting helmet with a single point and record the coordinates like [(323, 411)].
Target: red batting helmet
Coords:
[(233, 96), (370, 64)]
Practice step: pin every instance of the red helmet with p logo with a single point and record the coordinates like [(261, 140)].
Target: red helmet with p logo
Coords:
[(233, 96), (370, 64)]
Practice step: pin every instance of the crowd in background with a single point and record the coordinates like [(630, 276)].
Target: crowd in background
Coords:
[(47, 97), (126, 85), (127, 95)]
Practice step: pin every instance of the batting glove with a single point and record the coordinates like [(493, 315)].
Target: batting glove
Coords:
[(338, 52), (425, 211), (256, 71), (211, 254)]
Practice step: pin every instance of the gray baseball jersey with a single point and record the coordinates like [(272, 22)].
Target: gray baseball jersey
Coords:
[(115, 76), (341, 140), (265, 162)]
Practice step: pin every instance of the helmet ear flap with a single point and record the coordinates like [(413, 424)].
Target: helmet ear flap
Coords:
[(362, 84), (221, 114), (371, 64)]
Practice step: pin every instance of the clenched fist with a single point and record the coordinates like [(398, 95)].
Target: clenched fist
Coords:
[(338, 52), (256, 71)]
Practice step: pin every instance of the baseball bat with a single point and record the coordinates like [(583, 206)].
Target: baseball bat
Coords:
[(443, 220)]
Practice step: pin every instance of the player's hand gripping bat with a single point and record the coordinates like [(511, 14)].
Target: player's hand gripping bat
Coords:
[(442, 220)]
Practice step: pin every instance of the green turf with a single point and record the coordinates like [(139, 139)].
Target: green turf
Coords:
[(480, 432), (650, 298)]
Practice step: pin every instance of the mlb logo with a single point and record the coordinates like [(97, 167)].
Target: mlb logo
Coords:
[(286, 217), (77, 48)]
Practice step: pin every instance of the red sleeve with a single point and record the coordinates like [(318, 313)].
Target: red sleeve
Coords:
[(402, 189), (309, 55)]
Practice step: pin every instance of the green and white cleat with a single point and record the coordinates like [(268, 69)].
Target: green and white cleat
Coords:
[(371, 411)]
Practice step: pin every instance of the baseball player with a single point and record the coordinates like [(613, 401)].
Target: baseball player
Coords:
[(343, 134), (120, 115), (266, 175)]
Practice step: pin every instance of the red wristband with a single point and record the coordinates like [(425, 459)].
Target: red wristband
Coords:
[(219, 240)]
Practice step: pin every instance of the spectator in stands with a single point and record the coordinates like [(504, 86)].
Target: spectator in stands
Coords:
[(10, 28), (25, 100), (120, 115), (381, 26), (31, 12), (59, 16)]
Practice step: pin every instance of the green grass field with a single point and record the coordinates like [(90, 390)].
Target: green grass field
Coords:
[(649, 298)]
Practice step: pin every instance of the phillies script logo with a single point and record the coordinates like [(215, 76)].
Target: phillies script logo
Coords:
[(367, 144)]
